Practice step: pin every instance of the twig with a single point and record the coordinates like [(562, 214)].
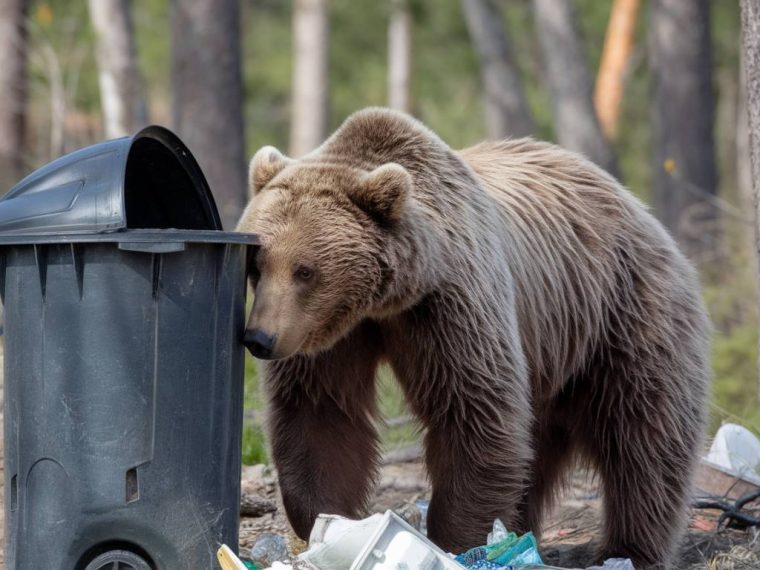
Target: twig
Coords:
[(732, 512)]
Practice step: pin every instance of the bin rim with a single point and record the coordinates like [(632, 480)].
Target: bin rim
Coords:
[(134, 236)]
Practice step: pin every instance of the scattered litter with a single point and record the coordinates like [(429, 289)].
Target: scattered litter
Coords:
[(388, 542), (736, 451), (268, 549), (614, 564), (336, 541), (502, 549), (380, 542), (396, 545), (498, 534), (422, 505), (228, 560), (505, 550)]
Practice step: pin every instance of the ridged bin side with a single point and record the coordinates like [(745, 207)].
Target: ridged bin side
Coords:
[(123, 398)]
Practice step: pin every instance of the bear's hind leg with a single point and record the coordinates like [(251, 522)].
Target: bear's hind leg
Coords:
[(475, 479), (645, 437)]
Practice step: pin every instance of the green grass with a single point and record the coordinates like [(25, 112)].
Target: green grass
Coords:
[(391, 405), (254, 445), (254, 440)]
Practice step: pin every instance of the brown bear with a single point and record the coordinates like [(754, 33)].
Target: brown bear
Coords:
[(531, 308)]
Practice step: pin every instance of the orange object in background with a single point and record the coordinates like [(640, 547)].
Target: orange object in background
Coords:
[(618, 44)]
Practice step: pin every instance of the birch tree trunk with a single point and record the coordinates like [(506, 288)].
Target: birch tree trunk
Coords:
[(13, 87), (750, 10), (506, 111), (570, 82), (121, 93), (400, 56), (685, 175), (308, 126), (743, 151), (207, 96)]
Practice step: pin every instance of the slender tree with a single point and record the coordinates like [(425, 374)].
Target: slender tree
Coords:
[(570, 82), (400, 56), (13, 86), (506, 111), (685, 176), (751, 56), (308, 126), (207, 95), (121, 93), (742, 144), (618, 44)]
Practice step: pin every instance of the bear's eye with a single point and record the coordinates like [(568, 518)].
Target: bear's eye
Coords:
[(303, 273)]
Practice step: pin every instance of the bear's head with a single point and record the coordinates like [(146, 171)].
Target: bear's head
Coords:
[(323, 265)]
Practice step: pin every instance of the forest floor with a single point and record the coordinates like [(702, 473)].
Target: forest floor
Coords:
[(569, 533)]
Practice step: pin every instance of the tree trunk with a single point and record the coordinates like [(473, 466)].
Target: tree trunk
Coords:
[(751, 57), (742, 147), (121, 94), (207, 96), (570, 84), (308, 126), (506, 111), (400, 56), (13, 86), (618, 43), (685, 176)]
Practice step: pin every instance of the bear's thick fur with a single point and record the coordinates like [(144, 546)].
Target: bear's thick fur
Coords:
[(531, 308)]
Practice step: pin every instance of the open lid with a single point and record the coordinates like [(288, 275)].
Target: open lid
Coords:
[(148, 181)]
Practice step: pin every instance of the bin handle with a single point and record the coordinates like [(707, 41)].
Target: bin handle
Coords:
[(154, 247)]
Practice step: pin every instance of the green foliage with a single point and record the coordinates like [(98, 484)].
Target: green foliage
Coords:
[(392, 405), (153, 39), (254, 441), (734, 387), (446, 94), (254, 445), (731, 294), (267, 72)]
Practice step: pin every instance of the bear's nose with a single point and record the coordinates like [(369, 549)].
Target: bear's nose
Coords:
[(259, 343)]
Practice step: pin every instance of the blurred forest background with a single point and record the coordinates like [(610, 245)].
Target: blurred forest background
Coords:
[(649, 89)]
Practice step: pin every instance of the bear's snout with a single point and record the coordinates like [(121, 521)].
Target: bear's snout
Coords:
[(259, 343)]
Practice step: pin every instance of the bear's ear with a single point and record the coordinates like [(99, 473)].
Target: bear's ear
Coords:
[(265, 165), (382, 192)]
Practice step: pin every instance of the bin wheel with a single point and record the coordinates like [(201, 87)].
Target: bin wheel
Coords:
[(118, 560)]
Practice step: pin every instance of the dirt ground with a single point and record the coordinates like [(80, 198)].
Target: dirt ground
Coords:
[(569, 534)]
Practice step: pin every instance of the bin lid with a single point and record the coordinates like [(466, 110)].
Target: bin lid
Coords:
[(147, 181)]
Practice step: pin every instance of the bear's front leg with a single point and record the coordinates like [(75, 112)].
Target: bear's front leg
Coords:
[(323, 438), (470, 391)]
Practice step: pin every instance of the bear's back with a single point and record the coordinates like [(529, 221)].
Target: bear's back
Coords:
[(582, 250)]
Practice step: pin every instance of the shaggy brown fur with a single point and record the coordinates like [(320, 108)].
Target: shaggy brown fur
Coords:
[(531, 308)]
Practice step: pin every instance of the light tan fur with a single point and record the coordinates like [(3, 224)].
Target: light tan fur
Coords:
[(532, 310)]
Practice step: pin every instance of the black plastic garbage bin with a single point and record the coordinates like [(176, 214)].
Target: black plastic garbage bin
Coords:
[(124, 311)]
